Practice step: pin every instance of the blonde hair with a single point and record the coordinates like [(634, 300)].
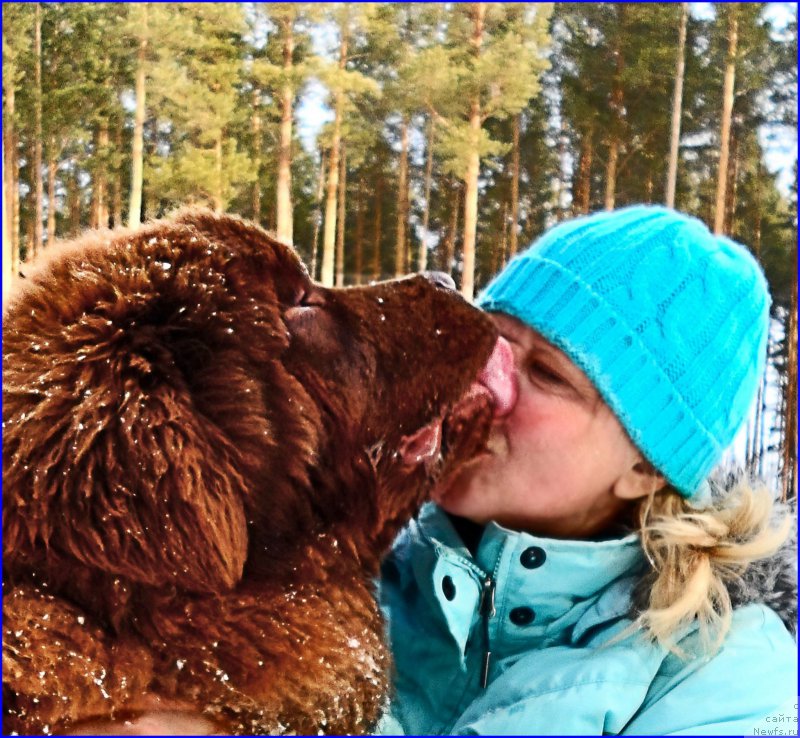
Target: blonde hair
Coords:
[(695, 553)]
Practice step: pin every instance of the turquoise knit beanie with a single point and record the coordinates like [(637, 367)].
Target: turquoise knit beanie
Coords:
[(669, 322)]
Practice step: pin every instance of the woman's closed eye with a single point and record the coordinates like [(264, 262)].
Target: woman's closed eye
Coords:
[(566, 382), (542, 372)]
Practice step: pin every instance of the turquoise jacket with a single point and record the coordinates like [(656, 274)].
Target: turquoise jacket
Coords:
[(518, 640)]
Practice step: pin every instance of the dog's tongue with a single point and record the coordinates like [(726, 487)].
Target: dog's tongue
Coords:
[(499, 377)]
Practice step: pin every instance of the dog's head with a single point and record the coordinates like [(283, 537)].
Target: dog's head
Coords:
[(171, 392)]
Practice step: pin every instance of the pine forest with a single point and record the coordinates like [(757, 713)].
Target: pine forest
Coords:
[(388, 138)]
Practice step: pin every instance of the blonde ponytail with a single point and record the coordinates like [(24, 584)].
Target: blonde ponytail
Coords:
[(695, 554)]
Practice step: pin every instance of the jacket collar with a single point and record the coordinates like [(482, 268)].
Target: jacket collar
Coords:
[(574, 587)]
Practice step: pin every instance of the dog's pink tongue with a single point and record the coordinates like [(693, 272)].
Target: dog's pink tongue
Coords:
[(499, 377)]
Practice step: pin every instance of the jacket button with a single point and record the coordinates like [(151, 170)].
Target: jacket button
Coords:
[(522, 616), (448, 588), (533, 557)]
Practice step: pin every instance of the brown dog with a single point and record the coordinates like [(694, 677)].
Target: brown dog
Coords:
[(204, 457)]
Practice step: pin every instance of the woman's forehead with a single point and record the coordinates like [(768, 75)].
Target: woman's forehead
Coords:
[(514, 329), (531, 341)]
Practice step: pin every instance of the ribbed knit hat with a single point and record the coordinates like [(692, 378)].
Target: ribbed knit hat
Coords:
[(667, 320)]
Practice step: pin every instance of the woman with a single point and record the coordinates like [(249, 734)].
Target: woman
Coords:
[(573, 580)]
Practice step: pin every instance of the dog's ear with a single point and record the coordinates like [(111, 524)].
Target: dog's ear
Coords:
[(120, 390)]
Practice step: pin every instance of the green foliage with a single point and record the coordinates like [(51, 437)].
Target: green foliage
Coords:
[(211, 67), (503, 77)]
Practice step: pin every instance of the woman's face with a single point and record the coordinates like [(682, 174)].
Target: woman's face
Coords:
[(560, 463)]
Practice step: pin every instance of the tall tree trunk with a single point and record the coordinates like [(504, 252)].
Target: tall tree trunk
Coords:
[(255, 128), (512, 242), (501, 249), (137, 145), (116, 189), (449, 251), (284, 184), (753, 461), (74, 202), (617, 115), (10, 186), (761, 451), (329, 235), (359, 235), (583, 188), (471, 207), (52, 168), (759, 215), (677, 105), (378, 232), (37, 141), (329, 241), (422, 261), (561, 210), (150, 150), (402, 202), (16, 206), (8, 244), (732, 185), (727, 110), (473, 165), (30, 230), (789, 444), (318, 212), (218, 198), (611, 174), (340, 195), (100, 189)]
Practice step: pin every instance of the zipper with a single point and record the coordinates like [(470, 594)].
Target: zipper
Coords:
[(487, 611)]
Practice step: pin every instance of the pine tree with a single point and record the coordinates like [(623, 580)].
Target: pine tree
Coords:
[(497, 57), (730, 17), (612, 58), (284, 184), (16, 48), (346, 85), (280, 70), (37, 132), (677, 108), (196, 88), (341, 195), (8, 243), (137, 151), (397, 32)]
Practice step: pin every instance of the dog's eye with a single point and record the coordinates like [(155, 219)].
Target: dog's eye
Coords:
[(308, 297)]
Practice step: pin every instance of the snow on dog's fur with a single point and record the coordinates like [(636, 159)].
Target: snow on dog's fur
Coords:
[(204, 457)]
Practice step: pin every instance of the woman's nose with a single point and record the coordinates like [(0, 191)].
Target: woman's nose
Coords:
[(440, 279)]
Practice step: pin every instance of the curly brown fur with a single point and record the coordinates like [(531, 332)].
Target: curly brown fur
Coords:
[(202, 469)]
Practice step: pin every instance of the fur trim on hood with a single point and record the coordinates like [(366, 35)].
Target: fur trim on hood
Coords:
[(773, 581)]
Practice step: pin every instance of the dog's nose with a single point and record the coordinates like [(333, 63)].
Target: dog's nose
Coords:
[(440, 279)]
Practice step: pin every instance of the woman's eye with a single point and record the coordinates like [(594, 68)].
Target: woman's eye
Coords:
[(542, 373)]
